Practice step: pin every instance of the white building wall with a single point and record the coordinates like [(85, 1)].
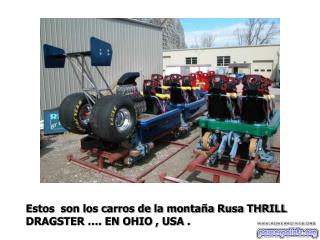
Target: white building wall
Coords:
[(247, 54)]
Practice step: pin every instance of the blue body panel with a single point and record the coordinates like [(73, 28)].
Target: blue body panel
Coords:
[(51, 121), (189, 109), (200, 93), (101, 52), (53, 56), (151, 128)]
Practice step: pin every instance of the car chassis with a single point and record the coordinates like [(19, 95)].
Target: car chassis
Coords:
[(148, 128)]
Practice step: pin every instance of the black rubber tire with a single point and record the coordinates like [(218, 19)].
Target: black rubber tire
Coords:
[(69, 113), (103, 116)]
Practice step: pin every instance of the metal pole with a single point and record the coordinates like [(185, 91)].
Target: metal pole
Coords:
[(86, 74), (82, 72), (74, 69), (105, 81), (87, 69)]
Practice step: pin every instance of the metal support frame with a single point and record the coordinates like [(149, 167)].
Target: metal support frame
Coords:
[(110, 157), (198, 165), (82, 72)]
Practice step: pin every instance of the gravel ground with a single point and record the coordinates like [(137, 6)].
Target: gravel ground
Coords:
[(55, 168)]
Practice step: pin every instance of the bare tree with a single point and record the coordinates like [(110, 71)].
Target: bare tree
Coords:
[(240, 36), (207, 40), (195, 43), (257, 31)]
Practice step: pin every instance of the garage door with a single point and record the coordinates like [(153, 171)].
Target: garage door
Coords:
[(263, 68), (194, 69), (172, 70)]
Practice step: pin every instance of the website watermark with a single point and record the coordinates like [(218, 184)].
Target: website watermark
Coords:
[(287, 232)]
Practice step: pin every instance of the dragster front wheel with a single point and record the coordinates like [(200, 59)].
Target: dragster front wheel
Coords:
[(74, 113)]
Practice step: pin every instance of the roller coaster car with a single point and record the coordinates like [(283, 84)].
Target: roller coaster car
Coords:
[(114, 121), (176, 89), (240, 125)]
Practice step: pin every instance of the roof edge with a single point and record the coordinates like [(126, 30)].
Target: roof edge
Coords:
[(187, 49), (138, 22)]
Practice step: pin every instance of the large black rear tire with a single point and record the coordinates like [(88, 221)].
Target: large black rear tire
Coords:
[(113, 118), (74, 113)]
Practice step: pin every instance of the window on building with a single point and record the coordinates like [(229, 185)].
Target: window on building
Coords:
[(191, 60), (219, 61), (223, 60), (262, 70), (166, 56), (268, 70), (226, 60), (256, 70)]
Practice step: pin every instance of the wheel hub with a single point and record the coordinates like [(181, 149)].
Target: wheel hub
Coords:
[(84, 114), (123, 120)]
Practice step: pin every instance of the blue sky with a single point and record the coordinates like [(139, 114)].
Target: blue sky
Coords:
[(222, 28)]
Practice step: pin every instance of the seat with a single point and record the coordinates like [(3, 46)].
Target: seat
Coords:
[(145, 116), (176, 94), (152, 86), (220, 106), (254, 110), (254, 107), (186, 82)]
